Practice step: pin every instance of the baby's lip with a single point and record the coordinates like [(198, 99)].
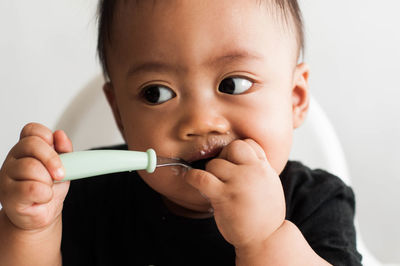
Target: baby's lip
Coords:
[(207, 149), (201, 154), (199, 160)]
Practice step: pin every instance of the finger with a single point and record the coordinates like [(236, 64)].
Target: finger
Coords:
[(205, 182), (257, 149), (34, 146), (238, 152), (62, 143), (36, 129), (27, 193), (221, 168), (28, 168)]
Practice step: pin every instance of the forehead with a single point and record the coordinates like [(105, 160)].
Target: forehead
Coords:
[(174, 29)]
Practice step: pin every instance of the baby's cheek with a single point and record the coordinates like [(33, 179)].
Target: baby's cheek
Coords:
[(277, 149)]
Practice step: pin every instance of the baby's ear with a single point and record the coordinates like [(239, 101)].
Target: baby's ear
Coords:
[(300, 96), (110, 95)]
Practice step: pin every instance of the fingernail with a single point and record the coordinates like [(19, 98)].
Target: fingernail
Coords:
[(60, 173)]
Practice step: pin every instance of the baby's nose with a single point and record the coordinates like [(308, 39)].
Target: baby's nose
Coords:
[(201, 122)]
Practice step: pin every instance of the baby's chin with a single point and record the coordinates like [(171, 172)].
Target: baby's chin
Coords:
[(191, 208), (180, 198)]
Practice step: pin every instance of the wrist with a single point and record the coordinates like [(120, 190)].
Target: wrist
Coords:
[(285, 246), (29, 234), (255, 249), (25, 247)]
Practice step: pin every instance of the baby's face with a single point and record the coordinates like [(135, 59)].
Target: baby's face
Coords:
[(189, 77)]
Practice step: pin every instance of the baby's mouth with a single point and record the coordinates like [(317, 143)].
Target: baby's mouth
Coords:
[(201, 164), (201, 154), (200, 159)]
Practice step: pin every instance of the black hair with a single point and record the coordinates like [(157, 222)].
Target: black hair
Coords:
[(290, 10)]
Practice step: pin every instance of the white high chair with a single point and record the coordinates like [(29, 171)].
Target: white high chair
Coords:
[(89, 123)]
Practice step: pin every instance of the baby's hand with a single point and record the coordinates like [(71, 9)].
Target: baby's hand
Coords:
[(30, 198), (245, 193)]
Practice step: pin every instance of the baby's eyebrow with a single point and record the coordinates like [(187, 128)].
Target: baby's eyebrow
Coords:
[(231, 56), (154, 66), (159, 66)]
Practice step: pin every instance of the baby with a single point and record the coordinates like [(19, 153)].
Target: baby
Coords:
[(206, 81)]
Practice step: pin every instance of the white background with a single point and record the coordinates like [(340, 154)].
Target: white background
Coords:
[(47, 53)]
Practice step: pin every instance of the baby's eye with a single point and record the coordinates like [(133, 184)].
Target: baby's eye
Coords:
[(157, 94), (234, 85)]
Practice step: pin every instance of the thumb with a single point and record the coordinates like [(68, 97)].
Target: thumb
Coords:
[(62, 143)]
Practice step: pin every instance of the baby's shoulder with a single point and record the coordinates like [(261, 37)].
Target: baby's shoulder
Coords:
[(307, 190), (296, 175)]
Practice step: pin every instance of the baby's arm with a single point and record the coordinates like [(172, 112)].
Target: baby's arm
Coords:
[(249, 207), (29, 247), (30, 221), (286, 246)]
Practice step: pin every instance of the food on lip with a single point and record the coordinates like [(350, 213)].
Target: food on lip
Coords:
[(199, 160), (211, 148), (204, 155)]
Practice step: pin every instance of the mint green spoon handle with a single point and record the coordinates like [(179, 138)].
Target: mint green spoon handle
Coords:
[(83, 164)]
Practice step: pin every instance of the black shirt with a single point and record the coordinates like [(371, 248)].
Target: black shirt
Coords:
[(117, 219)]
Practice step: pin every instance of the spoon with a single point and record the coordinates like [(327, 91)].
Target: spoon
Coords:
[(82, 164)]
